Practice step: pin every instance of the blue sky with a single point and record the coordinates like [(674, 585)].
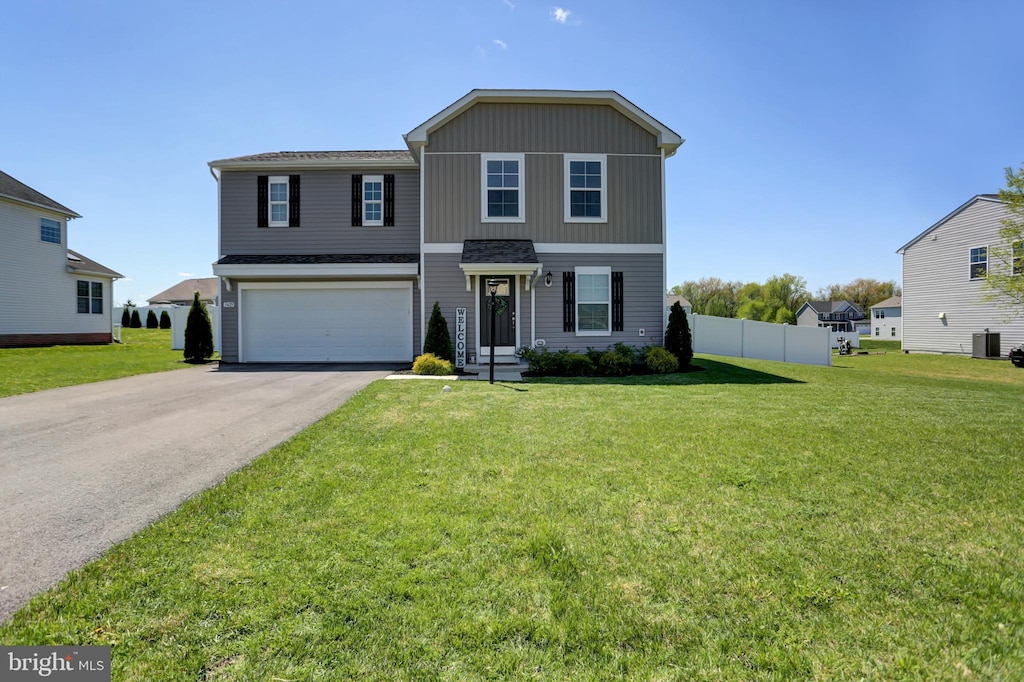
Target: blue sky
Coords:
[(821, 136)]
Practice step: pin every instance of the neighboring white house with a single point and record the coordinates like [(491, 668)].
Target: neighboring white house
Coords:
[(48, 293), (944, 270), (887, 319), (672, 299)]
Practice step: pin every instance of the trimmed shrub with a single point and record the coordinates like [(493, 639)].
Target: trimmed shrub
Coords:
[(126, 317), (615, 364), (151, 321), (136, 320), (198, 333), (677, 336), (660, 361), (428, 363), (576, 365), (165, 320), (438, 341)]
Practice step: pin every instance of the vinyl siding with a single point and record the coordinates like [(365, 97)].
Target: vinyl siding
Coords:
[(453, 196), (936, 279), (37, 293), (326, 217), (893, 320), (519, 127), (229, 320), (643, 289)]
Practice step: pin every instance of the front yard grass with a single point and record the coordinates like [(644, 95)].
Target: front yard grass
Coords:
[(756, 521), (24, 370)]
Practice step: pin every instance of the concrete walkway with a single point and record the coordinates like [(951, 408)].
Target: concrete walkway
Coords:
[(84, 467)]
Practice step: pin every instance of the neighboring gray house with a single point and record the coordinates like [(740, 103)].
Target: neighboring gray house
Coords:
[(672, 299), (49, 294), (839, 316), (887, 319), (184, 292), (944, 270), (556, 196)]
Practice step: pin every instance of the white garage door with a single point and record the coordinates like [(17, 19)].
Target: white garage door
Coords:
[(356, 322)]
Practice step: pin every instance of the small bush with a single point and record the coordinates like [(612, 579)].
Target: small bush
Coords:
[(576, 365), (428, 363), (438, 341), (151, 321), (136, 320), (126, 318), (677, 336), (165, 320), (615, 364), (198, 333), (660, 361)]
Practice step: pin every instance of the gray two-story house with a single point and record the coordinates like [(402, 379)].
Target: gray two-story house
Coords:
[(556, 198)]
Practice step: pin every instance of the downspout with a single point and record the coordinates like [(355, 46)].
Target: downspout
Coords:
[(664, 251), (423, 255)]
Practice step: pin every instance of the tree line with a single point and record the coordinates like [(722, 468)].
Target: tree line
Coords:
[(777, 299)]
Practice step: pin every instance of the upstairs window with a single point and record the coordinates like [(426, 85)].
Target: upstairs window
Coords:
[(502, 188), (49, 230), (373, 200), (979, 262), (90, 297), (1018, 258), (277, 201), (586, 196)]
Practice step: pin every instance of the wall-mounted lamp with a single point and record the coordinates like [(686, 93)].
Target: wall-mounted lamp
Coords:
[(547, 279)]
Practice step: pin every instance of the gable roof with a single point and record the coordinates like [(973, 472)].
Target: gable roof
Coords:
[(10, 188), (672, 299), (828, 306), (82, 265), (386, 158), (891, 302), (668, 140), (976, 198), (208, 288)]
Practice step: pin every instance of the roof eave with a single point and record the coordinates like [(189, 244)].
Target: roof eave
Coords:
[(313, 164), (64, 211)]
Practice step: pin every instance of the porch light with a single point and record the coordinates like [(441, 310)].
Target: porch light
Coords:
[(547, 279)]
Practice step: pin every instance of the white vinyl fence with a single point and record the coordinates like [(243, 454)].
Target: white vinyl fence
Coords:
[(179, 318), (761, 340)]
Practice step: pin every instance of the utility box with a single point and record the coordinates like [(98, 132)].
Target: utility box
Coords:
[(986, 345)]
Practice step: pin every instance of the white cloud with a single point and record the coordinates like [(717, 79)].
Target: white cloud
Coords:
[(560, 14), (510, 5), (501, 44), (186, 274), (126, 279)]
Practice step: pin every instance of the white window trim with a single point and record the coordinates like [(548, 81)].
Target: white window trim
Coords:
[(275, 180), (484, 158), (971, 264), (593, 270), (60, 231), (368, 179), (603, 158)]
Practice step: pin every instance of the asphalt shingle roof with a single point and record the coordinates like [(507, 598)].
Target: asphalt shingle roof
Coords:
[(80, 263), (208, 288), (366, 155), (891, 302), (498, 251), (19, 191), (320, 259)]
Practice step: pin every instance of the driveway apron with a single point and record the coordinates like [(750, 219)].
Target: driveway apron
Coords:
[(84, 467)]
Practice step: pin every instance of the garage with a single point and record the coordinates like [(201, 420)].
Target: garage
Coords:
[(326, 322)]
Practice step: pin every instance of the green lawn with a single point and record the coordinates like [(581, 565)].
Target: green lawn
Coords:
[(756, 521), (24, 370)]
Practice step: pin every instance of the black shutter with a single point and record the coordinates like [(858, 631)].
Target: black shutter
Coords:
[(617, 307), (357, 200), (389, 200), (568, 301), (293, 200), (262, 201)]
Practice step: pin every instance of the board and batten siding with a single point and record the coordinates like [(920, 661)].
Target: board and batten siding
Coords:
[(936, 279), (326, 216), (453, 196), (541, 127), (229, 319), (37, 293), (643, 298)]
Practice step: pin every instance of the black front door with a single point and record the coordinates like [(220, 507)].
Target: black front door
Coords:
[(505, 309)]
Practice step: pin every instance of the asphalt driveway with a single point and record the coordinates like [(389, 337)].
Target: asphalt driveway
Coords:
[(84, 467)]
